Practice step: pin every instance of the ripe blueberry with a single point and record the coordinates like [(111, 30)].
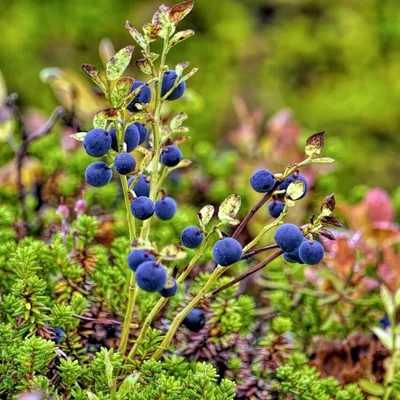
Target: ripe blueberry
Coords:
[(124, 163), (98, 174), (293, 256), (291, 178), (171, 155), (195, 320), (227, 251), (143, 97), (131, 138), (137, 257), (142, 208), (288, 237), (143, 132), (142, 186), (166, 208), (151, 276), (275, 208), (97, 142), (311, 252), (169, 79), (262, 181), (191, 237), (169, 288)]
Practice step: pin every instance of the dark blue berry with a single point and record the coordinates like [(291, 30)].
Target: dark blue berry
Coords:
[(139, 256), (227, 251), (191, 237), (195, 320), (293, 257), (143, 97), (384, 322), (98, 174), (291, 178), (151, 276), (142, 208), (143, 131), (166, 208), (288, 237), (59, 334), (97, 142), (171, 155), (275, 208), (169, 289), (169, 79), (262, 181), (124, 163), (311, 252), (142, 187), (131, 138)]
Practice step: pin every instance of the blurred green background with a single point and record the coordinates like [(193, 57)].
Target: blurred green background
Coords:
[(334, 63)]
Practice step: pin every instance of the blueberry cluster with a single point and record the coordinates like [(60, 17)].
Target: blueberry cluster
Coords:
[(296, 248)]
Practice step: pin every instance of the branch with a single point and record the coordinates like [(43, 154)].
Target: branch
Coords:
[(260, 250)]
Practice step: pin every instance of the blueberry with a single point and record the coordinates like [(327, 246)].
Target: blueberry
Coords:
[(142, 208), (262, 181), (275, 208), (143, 132), (97, 142), (131, 138), (143, 97), (59, 334), (311, 252), (288, 237), (171, 155), (293, 257), (195, 320), (137, 257), (169, 288), (151, 276), (191, 237), (169, 79), (227, 251), (291, 178), (124, 163), (384, 322), (166, 208), (142, 187), (98, 174)]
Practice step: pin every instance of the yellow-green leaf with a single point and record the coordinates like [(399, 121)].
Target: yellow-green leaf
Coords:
[(121, 91), (296, 189), (205, 214), (118, 63), (229, 209), (173, 252)]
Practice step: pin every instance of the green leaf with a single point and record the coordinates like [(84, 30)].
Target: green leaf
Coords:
[(179, 11), (180, 37), (388, 301), (397, 298), (102, 117), (384, 337), (177, 121), (118, 63), (181, 67), (79, 136), (127, 386), (108, 367), (144, 66), (296, 189), (205, 214), (93, 73), (289, 202), (324, 160), (136, 35), (173, 252), (121, 91), (146, 160), (314, 144), (371, 387), (229, 209)]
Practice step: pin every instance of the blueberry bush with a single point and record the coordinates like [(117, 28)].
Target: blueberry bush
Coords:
[(118, 288)]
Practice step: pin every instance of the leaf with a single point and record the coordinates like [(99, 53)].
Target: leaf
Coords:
[(121, 91), (3, 87), (144, 66), (178, 120), (173, 252), (324, 160), (108, 367), (296, 189), (134, 93), (180, 37), (388, 300), (314, 144), (189, 75), (102, 117), (397, 298), (371, 387), (229, 209), (127, 386), (93, 74), (106, 50), (118, 63), (205, 214), (384, 337), (151, 32), (328, 205), (289, 202), (331, 220), (136, 35), (161, 19), (182, 164), (180, 140), (179, 11), (326, 233), (146, 160), (181, 67), (79, 136)]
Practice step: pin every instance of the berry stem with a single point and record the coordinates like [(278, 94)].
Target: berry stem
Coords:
[(259, 250)]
